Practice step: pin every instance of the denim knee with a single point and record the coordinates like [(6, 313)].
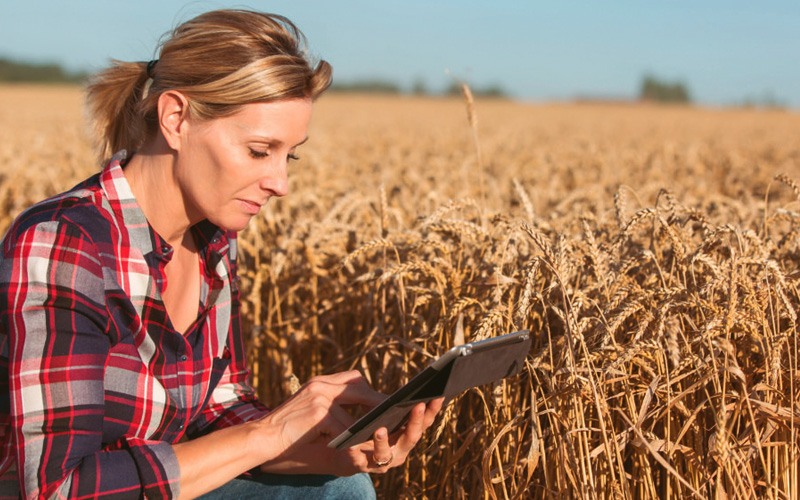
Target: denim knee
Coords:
[(296, 487), (358, 486)]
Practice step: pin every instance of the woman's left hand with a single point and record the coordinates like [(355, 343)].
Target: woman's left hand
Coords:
[(384, 451)]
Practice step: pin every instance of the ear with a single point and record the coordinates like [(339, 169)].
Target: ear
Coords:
[(173, 112)]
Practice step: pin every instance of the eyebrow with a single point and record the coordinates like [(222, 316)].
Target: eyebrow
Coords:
[(273, 140), (267, 138)]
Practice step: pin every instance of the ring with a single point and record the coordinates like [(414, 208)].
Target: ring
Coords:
[(384, 463)]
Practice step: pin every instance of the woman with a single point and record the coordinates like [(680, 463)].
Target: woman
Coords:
[(122, 363)]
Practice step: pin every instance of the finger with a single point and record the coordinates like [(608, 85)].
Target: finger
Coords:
[(341, 377), (434, 406), (357, 394), (382, 451), (340, 420), (413, 430)]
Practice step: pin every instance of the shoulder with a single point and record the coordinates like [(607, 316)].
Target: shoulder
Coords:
[(77, 212)]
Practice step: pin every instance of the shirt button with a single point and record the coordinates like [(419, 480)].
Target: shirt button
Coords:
[(183, 358), (180, 427)]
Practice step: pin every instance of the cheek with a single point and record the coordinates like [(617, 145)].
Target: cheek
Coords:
[(213, 173), (225, 184), (202, 185), (219, 170)]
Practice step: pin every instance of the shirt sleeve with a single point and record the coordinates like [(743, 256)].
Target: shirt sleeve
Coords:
[(52, 305), (233, 401)]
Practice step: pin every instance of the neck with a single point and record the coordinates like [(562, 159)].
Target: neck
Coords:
[(150, 173)]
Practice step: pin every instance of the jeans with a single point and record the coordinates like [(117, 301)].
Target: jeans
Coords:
[(300, 487)]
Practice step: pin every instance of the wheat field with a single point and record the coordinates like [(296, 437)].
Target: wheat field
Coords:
[(652, 251)]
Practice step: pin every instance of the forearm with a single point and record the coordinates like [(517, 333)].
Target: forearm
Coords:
[(212, 460)]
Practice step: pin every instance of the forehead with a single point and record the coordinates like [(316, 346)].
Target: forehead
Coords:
[(285, 120)]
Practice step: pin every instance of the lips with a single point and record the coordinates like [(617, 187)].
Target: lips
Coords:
[(251, 207)]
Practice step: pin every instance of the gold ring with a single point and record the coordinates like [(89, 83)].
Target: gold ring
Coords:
[(384, 463)]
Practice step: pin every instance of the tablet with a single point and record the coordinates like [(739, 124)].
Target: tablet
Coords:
[(459, 369)]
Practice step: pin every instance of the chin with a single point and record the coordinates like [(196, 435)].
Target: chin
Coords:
[(231, 224)]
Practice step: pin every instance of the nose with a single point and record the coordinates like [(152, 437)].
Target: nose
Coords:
[(276, 179)]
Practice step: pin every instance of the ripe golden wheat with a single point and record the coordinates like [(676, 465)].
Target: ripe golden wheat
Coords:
[(652, 251)]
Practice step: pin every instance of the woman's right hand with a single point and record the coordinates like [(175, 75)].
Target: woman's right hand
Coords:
[(317, 410), (296, 433)]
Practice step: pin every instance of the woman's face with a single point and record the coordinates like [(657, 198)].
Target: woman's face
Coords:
[(228, 168)]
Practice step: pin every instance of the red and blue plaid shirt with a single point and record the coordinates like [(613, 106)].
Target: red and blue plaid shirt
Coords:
[(95, 383)]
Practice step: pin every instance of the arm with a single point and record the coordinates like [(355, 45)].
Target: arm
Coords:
[(53, 310), (293, 438)]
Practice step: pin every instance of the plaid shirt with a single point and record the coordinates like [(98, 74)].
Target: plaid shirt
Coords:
[(95, 383)]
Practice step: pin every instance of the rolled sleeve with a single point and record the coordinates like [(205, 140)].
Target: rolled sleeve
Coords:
[(157, 466)]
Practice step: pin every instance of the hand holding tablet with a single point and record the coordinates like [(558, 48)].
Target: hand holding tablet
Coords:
[(459, 369)]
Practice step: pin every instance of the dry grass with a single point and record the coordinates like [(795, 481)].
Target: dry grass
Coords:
[(652, 251)]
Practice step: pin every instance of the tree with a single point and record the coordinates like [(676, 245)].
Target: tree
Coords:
[(419, 87), (15, 71), (370, 86), (654, 89)]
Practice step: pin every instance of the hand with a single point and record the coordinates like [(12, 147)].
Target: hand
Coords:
[(295, 435), (385, 451)]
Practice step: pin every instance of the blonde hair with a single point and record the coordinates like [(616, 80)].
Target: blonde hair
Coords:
[(219, 60)]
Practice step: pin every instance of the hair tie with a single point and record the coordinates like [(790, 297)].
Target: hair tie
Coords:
[(150, 66)]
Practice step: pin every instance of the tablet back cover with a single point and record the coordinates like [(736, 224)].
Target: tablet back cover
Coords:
[(484, 366), (475, 364)]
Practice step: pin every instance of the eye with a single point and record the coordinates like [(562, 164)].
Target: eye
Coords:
[(254, 153), (292, 156)]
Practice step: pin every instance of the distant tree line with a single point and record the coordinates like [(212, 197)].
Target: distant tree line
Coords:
[(16, 71), (417, 88), (22, 72), (652, 88), (657, 90), (766, 100), (368, 86)]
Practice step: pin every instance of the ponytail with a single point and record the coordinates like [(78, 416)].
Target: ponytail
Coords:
[(113, 99)]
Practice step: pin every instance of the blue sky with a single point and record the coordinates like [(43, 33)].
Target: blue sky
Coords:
[(724, 51)]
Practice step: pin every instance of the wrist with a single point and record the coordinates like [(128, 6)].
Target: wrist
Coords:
[(263, 440)]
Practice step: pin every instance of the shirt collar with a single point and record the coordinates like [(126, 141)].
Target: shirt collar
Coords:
[(213, 241)]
